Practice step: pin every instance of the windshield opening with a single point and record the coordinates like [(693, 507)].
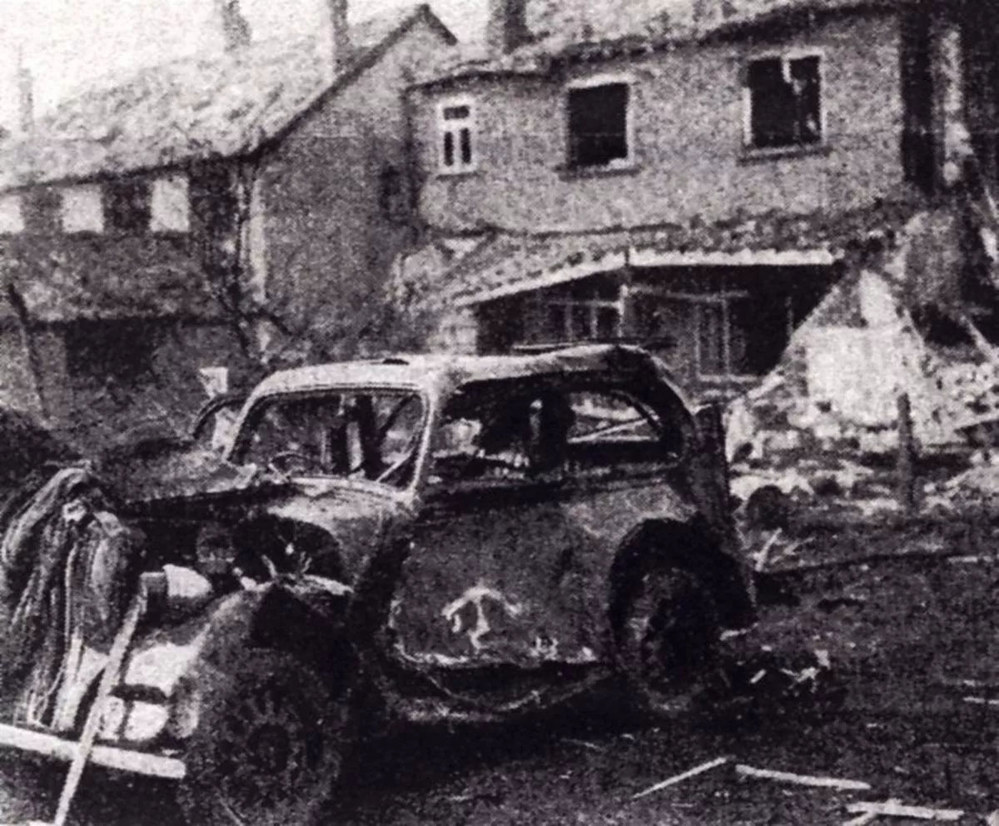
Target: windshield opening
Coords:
[(365, 434)]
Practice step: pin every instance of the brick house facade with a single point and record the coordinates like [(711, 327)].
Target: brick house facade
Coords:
[(695, 184), (233, 211)]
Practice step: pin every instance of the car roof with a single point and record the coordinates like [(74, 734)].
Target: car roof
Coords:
[(444, 370)]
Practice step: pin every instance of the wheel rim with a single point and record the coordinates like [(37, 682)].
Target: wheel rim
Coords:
[(270, 754), (668, 643)]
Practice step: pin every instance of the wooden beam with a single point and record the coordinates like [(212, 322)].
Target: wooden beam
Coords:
[(892, 808), (679, 778), (803, 779), (111, 757)]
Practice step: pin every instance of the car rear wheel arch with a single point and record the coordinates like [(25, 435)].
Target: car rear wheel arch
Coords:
[(664, 617)]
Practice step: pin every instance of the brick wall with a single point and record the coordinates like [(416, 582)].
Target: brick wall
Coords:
[(688, 131), (330, 235)]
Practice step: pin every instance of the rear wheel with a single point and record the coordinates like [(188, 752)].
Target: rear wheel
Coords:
[(668, 638), (268, 748)]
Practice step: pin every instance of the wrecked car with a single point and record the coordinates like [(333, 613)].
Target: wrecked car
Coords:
[(416, 538)]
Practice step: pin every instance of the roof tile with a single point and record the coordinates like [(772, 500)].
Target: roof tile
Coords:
[(188, 109)]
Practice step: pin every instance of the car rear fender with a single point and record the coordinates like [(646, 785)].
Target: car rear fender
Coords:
[(690, 546)]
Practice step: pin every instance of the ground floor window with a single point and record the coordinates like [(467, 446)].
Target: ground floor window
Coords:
[(712, 324), (586, 311)]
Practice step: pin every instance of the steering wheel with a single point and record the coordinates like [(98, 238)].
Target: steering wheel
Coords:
[(282, 462)]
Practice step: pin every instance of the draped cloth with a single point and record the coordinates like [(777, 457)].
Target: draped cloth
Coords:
[(67, 570)]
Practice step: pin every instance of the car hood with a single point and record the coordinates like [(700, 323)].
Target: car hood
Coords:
[(356, 515)]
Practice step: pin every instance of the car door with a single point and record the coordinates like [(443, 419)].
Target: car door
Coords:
[(491, 575)]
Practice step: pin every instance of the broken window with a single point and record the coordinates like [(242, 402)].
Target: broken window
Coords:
[(169, 204), (456, 125), (113, 350), (598, 125), (127, 205), (81, 209), (361, 435), (784, 98), (589, 310)]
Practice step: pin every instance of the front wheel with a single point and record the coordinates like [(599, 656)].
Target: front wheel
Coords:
[(268, 747), (667, 638)]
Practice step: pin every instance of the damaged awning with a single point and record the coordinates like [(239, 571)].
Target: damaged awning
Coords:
[(632, 257), (505, 264)]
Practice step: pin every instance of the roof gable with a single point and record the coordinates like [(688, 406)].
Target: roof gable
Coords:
[(196, 108)]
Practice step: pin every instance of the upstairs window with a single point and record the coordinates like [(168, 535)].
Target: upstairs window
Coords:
[(127, 205), (81, 209), (11, 214), (784, 100), (170, 206), (456, 128), (598, 125)]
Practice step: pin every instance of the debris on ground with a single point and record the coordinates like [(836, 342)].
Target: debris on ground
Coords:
[(679, 778), (803, 779), (894, 808)]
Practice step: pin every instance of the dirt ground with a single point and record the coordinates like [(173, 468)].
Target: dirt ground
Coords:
[(902, 635)]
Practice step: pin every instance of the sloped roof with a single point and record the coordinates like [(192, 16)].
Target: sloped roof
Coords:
[(195, 108), (510, 263), (103, 277), (583, 30)]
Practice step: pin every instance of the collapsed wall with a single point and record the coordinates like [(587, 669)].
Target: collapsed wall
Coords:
[(839, 380)]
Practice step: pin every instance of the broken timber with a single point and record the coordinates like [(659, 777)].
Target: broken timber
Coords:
[(110, 757), (892, 808), (803, 779), (679, 778)]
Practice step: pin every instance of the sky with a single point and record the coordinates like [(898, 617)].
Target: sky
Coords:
[(66, 43)]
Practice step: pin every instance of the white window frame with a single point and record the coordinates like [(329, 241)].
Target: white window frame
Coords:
[(454, 127), (593, 82), (81, 209), (592, 306), (786, 56), (724, 300), (170, 203), (11, 213)]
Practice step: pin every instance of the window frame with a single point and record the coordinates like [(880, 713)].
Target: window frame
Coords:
[(595, 82), (723, 300), (786, 56), (593, 305), (445, 126)]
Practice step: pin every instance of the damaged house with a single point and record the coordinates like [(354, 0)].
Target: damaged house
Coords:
[(215, 214), (698, 177)]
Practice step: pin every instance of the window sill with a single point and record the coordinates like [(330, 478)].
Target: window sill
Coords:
[(444, 174), (751, 155), (610, 170)]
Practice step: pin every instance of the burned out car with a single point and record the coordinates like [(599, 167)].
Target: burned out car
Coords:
[(415, 538)]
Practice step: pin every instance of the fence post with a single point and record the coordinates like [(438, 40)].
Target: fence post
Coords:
[(906, 462)]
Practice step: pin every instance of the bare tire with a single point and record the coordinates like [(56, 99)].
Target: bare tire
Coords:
[(667, 637), (268, 748)]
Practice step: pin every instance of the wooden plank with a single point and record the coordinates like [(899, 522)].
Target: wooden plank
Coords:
[(892, 808), (110, 757), (88, 737), (679, 778), (803, 779)]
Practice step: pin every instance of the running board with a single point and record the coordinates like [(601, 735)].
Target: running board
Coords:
[(111, 757)]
